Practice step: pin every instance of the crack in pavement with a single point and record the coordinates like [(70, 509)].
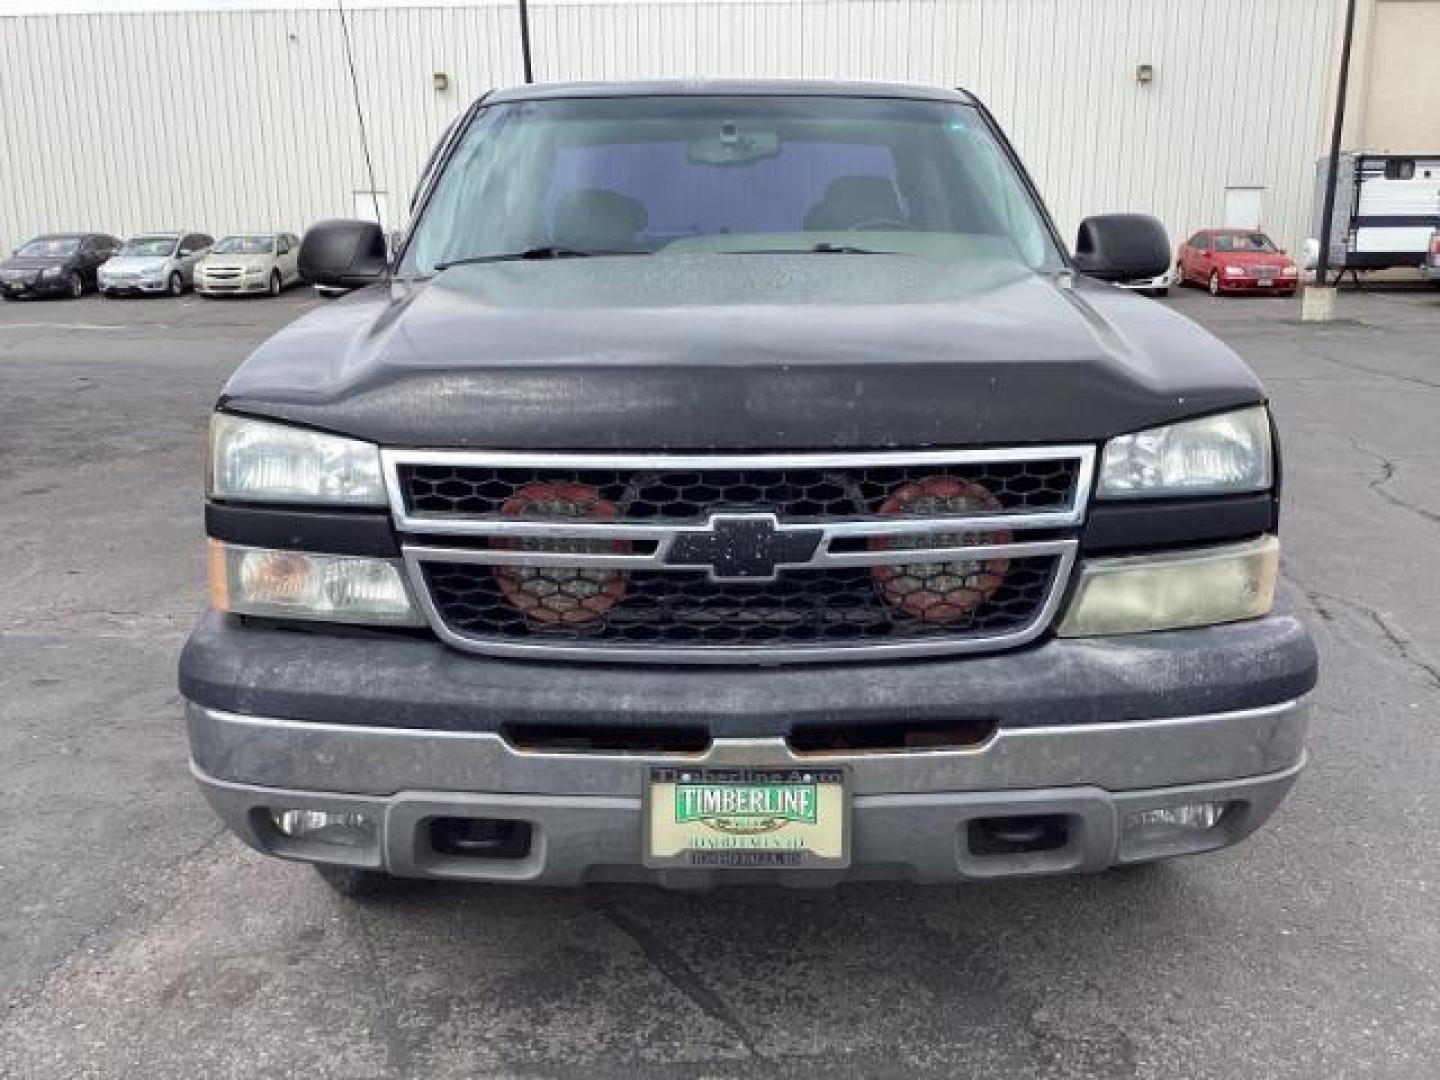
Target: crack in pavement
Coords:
[(1402, 643), (680, 975), (398, 1056), (131, 906), (1388, 470), (1351, 365)]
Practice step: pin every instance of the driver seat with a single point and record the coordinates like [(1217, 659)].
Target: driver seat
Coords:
[(854, 200)]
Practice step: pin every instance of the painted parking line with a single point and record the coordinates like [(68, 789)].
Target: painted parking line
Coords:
[(61, 326)]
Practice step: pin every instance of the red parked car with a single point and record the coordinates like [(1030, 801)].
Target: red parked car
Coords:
[(1235, 260)]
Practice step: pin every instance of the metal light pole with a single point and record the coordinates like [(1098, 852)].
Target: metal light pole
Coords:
[(1324, 309), (525, 38)]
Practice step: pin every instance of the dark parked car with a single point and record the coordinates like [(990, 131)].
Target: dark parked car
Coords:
[(741, 482), (57, 264)]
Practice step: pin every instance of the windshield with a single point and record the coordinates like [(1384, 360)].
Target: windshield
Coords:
[(162, 246), (1250, 241), (675, 174), (46, 247), (245, 245)]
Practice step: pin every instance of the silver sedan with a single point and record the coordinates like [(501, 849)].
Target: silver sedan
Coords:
[(154, 263)]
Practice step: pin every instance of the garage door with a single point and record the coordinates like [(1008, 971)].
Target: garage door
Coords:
[(1403, 110)]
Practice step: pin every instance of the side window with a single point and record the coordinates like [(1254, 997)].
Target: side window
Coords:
[(282, 245), (1400, 169)]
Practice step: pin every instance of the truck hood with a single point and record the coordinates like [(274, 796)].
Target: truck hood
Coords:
[(717, 352)]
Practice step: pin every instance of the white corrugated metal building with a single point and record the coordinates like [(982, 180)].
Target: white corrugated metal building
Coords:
[(224, 115)]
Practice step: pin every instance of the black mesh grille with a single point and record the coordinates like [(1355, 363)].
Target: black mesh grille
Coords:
[(690, 496), (670, 609)]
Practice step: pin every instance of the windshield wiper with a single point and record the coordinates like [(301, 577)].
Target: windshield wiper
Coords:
[(544, 251)]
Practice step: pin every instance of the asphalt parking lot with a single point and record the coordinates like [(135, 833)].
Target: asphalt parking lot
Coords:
[(137, 940)]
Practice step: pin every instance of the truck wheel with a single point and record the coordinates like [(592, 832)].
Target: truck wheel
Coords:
[(354, 883), (1214, 283)]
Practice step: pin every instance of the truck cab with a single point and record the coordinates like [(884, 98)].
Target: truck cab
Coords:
[(740, 481)]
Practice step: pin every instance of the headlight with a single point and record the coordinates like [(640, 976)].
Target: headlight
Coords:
[(1223, 454), (1234, 271), (1140, 593), (260, 461), (1289, 271), (299, 585)]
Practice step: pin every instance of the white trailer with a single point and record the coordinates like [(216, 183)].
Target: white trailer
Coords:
[(1387, 206)]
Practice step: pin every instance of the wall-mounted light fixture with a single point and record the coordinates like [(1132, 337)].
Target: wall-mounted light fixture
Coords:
[(1145, 73), (440, 81)]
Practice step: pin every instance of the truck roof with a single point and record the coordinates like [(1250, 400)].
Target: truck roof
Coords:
[(728, 88)]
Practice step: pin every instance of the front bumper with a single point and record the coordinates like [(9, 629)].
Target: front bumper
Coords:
[(132, 287), (1254, 284), (36, 287), (910, 818), (225, 286), (405, 730)]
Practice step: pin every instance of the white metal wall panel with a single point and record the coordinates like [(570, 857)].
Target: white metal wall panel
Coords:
[(244, 119)]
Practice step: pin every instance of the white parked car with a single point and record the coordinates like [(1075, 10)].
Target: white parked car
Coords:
[(154, 263), (250, 263)]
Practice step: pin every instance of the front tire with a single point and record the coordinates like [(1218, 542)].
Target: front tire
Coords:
[(1214, 283), (275, 283), (176, 285)]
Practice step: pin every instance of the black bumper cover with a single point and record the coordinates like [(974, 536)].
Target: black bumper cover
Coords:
[(419, 683)]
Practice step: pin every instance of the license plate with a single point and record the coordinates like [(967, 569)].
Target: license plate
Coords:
[(747, 818)]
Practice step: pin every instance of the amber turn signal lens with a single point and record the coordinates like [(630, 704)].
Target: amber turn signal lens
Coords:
[(219, 578)]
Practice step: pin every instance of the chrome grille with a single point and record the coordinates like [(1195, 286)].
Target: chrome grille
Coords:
[(740, 558), (690, 495)]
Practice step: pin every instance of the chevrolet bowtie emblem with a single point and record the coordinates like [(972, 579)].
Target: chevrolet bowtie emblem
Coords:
[(744, 547)]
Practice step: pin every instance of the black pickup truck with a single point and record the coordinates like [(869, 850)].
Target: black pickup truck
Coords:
[(740, 482)]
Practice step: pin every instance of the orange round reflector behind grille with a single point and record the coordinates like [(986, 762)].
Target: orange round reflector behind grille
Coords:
[(940, 592), (561, 595)]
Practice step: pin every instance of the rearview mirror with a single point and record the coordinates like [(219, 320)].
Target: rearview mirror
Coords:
[(343, 254), (1122, 247)]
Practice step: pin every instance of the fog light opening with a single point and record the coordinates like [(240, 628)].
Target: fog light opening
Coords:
[(1030, 834), (341, 828), (480, 838)]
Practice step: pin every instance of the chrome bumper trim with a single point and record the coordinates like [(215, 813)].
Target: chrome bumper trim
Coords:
[(1121, 756)]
